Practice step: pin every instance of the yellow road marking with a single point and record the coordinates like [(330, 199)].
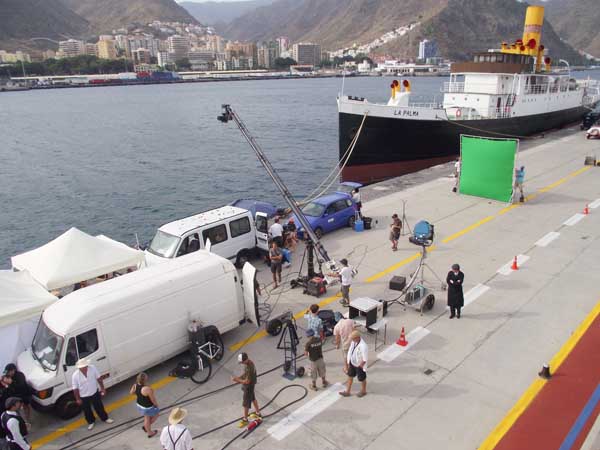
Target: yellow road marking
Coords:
[(260, 334), (534, 389), (81, 422)]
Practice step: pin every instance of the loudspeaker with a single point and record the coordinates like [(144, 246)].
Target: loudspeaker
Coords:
[(397, 283)]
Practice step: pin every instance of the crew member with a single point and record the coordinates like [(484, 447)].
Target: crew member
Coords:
[(342, 331), (276, 232), (519, 179), (456, 300), (357, 199), (176, 436), (248, 382), (395, 231), (456, 174), (314, 350), (276, 262), (19, 388), (346, 276), (315, 323), (86, 381), (357, 358), (14, 426)]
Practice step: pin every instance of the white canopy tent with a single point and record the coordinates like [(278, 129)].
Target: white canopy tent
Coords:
[(22, 301), (76, 256)]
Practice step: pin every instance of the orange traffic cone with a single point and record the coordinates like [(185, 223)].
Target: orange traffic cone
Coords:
[(402, 340), (514, 265), (586, 210)]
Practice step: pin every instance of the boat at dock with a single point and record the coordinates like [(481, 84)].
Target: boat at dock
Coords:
[(507, 93)]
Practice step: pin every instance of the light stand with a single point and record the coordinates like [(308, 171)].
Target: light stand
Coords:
[(405, 224), (288, 343), (421, 270)]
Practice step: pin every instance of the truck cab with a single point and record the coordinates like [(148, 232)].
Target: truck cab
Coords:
[(229, 231)]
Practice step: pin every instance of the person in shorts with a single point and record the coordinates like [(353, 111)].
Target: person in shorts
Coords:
[(358, 355), (314, 321), (248, 382), (314, 350), (341, 332), (276, 261), (519, 179), (146, 402), (395, 231)]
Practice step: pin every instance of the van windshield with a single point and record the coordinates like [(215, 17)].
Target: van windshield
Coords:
[(164, 244), (46, 346)]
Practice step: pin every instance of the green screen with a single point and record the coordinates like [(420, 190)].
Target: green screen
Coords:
[(487, 167)]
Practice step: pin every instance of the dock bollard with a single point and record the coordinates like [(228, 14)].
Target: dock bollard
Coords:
[(545, 372)]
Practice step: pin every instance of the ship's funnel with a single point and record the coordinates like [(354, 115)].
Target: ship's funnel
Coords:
[(406, 85), (395, 87), (548, 64), (532, 33)]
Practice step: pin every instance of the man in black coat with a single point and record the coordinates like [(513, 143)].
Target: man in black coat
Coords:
[(456, 300)]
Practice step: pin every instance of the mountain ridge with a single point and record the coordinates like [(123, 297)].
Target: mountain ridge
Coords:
[(221, 13), (577, 21)]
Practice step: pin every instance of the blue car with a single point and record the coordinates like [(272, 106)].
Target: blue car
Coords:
[(328, 213)]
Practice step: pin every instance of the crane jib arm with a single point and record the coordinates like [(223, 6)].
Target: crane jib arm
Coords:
[(229, 114)]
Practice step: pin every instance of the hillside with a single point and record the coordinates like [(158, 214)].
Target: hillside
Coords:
[(459, 26), (211, 13), (106, 15), (332, 23), (24, 19), (578, 22), (467, 26)]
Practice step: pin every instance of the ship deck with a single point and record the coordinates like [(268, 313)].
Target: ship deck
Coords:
[(460, 384)]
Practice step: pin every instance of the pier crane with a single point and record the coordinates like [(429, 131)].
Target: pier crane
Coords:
[(312, 242)]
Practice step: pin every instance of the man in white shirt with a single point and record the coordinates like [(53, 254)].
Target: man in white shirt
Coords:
[(176, 436), (456, 174), (276, 232), (86, 381), (13, 425), (358, 356), (346, 281)]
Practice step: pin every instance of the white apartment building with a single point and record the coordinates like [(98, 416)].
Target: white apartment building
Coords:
[(71, 48), (179, 46)]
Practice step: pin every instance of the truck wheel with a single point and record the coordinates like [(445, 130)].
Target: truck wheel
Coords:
[(319, 232), (274, 327), (214, 336), (66, 407), (242, 258)]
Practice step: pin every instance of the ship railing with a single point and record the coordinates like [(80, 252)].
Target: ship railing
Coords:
[(501, 113), (454, 87), (537, 89)]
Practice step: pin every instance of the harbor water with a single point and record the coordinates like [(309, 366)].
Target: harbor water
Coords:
[(124, 160)]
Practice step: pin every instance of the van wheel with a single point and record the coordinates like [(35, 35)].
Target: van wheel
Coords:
[(319, 232), (66, 407), (215, 337), (242, 258)]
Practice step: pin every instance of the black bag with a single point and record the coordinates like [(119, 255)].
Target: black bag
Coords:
[(328, 318)]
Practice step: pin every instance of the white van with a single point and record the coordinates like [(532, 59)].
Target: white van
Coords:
[(233, 233), (130, 323)]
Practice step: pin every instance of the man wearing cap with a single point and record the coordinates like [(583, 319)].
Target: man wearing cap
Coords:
[(358, 356), (13, 425), (248, 381), (314, 350), (86, 381), (176, 436), (456, 300)]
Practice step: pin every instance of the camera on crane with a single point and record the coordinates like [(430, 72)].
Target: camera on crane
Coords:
[(226, 115), (423, 234)]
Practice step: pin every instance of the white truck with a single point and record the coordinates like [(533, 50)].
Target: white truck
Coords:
[(233, 234), (130, 323)]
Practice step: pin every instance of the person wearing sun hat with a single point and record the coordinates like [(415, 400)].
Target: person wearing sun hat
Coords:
[(176, 436), (85, 381)]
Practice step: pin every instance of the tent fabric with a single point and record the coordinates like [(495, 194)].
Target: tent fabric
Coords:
[(22, 298), (75, 256)]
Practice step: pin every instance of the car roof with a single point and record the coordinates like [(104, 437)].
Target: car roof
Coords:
[(182, 226), (328, 199)]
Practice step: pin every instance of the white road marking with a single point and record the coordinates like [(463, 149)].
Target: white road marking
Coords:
[(394, 350), (506, 270), (573, 219), (543, 242), (306, 412), (595, 203), (475, 293)]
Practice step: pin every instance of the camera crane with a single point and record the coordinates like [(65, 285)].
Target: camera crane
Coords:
[(312, 243)]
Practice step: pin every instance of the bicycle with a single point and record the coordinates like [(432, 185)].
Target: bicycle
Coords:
[(203, 352)]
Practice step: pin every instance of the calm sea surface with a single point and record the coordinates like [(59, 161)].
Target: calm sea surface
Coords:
[(122, 160)]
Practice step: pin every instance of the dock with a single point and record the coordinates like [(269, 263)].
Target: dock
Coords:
[(468, 383)]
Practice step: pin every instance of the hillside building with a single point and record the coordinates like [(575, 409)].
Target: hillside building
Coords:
[(107, 49), (141, 56), (427, 49), (91, 49), (71, 48), (307, 54), (8, 58), (179, 46), (267, 53)]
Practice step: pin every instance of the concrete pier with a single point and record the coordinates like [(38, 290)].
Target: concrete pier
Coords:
[(454, 386)]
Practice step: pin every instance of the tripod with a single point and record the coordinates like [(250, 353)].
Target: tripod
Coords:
[(420, 272), (288, 343), (405, 224)]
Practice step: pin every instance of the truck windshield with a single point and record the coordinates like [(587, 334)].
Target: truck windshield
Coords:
[(164, 244), (313, 209), (46, 346)]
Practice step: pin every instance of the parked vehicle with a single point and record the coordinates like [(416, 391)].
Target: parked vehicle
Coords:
[(130, 323), (329, 213), (233, 233), (590, 119), (593, 132)]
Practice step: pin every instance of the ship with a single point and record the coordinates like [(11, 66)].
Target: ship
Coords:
[(511, 92)]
